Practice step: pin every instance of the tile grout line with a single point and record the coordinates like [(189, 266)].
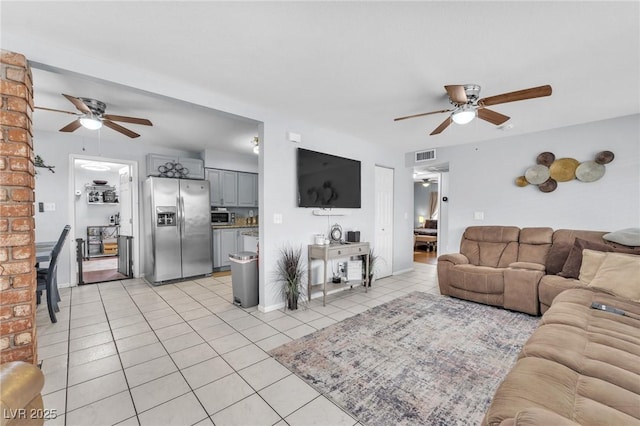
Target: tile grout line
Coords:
[(135, 410)]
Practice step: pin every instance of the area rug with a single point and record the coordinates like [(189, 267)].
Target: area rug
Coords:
[(421, 359)]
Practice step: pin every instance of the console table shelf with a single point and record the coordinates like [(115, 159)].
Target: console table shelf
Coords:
[(328, 252)]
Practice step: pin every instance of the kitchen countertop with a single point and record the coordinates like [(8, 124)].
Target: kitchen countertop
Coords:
[(233, 226)]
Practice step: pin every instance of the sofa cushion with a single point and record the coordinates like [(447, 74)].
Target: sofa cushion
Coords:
[(591, 262), (493, 246), (571, 268), (534, 245), (563, 242), (627, 237), (615, 273)]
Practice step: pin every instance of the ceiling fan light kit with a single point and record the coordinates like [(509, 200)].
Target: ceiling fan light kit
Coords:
[(467, 105), (91, 122), (463, 115)]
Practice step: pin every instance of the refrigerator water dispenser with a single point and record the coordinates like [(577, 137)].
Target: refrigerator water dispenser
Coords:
[(166, 216)]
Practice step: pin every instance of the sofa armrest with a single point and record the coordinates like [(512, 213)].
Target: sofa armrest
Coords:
[(538, 417), (521, 281), (21, 385), (446, 263), (527, 265), (455, 258)]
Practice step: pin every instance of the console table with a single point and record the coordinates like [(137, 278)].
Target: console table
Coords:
[(328, 252)]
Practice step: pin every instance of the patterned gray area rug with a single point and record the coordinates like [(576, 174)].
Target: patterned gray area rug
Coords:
[(421, 359)]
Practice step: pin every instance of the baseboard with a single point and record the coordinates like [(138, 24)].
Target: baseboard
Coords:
[(403, 271)]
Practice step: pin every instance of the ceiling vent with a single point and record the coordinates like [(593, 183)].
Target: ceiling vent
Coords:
[(427, 155)]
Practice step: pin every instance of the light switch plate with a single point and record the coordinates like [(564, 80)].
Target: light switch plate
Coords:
[(277, 218), (478, 215), (49, 207)]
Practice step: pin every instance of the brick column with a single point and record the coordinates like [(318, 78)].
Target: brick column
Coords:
[(17, 224)]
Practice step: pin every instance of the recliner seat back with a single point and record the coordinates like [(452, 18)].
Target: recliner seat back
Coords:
[(493, 246)]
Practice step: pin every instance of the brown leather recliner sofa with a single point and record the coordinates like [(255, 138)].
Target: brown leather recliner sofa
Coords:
[(515, 268), (580, 367)]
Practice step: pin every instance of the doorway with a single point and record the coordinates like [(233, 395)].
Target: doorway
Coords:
[(103, 218)]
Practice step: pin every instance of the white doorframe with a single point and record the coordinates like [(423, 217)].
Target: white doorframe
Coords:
[(383, 219), (135, 206)]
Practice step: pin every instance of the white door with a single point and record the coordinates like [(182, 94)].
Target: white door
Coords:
[(125, 198), (383, 246)]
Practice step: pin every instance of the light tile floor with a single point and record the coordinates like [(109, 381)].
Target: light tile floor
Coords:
[(128, 353)]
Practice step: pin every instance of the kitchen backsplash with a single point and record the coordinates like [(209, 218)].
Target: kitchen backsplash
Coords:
[(247, 221)]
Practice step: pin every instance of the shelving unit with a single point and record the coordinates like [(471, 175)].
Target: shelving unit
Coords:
[(102, 240), (95, 194), (328, 252)]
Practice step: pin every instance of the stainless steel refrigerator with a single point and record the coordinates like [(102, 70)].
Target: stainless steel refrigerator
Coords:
[(177, 218)]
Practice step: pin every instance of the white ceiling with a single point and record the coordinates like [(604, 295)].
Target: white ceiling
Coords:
[(349, 66)]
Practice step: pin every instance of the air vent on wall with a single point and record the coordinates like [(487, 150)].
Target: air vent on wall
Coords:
[(427, 155)]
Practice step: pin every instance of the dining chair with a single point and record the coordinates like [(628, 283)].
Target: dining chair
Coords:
[(48, 280)]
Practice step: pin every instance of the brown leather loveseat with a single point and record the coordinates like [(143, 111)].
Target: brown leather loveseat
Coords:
[(497, 265)]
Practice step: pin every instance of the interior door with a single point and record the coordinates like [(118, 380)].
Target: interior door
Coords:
[(383, 245), (125, 198)]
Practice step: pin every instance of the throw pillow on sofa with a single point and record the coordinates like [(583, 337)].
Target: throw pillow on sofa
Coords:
[(591, 263), (614, 273), (626, 237), (571, 268)]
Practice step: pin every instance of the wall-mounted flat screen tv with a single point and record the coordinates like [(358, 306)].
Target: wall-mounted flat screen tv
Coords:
[(327, 181)]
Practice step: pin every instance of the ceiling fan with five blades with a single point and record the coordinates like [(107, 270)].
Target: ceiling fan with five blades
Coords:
[(467, 104), (92, 117)]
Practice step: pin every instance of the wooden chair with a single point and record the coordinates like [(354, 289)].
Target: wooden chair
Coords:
[(47, 277)]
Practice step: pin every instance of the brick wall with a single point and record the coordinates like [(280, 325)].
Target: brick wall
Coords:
[(17, 244)]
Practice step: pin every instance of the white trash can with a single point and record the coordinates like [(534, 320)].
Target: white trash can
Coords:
[(244, 278)]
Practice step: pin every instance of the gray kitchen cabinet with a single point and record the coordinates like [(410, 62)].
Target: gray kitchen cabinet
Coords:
[(247, 189), (224, 187), (225, 242), (195, 166)]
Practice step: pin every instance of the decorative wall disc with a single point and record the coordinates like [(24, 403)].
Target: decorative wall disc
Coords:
[(589, 171), (521, 181), (536, 175), (548, 186), (546, 158), (604, 157), (564, 169)]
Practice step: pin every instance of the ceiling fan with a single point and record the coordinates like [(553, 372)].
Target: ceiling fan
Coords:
[(92, 117), (467, 105)]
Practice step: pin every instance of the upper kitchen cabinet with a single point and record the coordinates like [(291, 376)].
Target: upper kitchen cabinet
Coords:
[(224, 187), (247, 189), (171, 166)]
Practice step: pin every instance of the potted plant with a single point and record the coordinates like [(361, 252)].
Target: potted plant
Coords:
[(290, 272), (373, 258)]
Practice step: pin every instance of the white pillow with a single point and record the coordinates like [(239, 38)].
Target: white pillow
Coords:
[(591, 262), (626, 237), (619, 274)]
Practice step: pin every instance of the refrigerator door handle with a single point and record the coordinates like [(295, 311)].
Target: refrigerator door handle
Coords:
[(182, 216)]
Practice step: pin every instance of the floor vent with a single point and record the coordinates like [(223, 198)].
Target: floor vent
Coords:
[(427, 155)]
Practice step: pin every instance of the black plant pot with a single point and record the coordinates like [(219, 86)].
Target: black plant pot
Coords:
[(292, 301)]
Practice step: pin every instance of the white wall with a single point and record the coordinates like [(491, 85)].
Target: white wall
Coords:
[(217, 159), (481, 179)]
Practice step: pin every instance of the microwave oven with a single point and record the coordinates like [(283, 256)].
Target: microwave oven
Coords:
[(221, 217)]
